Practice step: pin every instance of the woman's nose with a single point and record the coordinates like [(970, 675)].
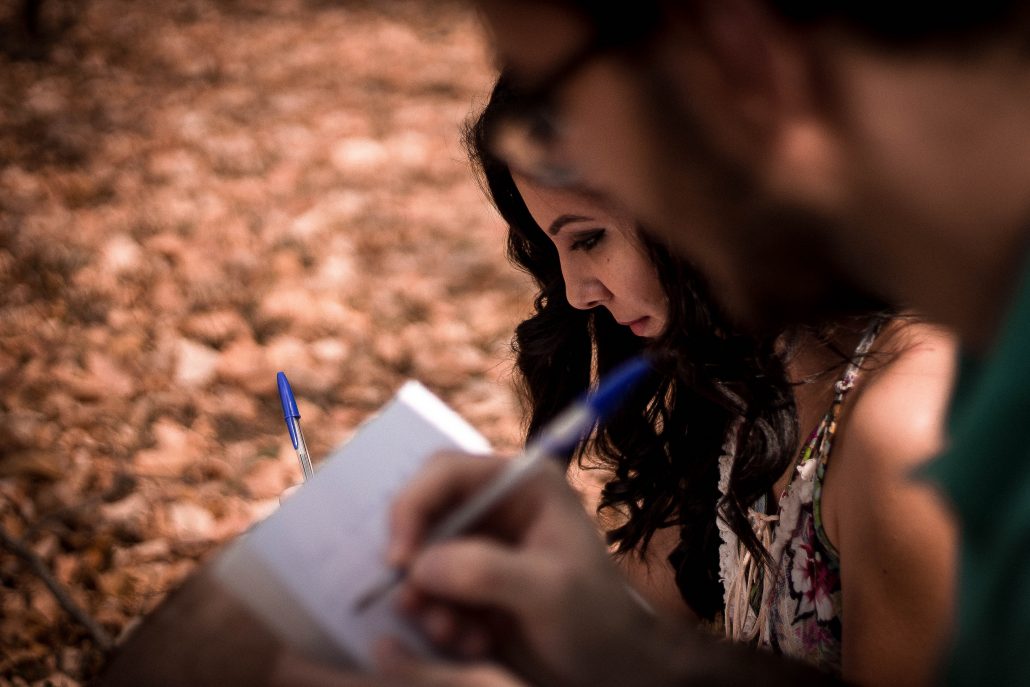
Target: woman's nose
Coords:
[(585, 294)]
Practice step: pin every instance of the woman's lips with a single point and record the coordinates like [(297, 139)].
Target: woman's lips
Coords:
[(639, 326)]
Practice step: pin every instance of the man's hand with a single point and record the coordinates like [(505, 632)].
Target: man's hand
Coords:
[(532, 578)]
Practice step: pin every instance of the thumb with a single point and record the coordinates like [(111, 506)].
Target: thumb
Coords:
[(287, 493)]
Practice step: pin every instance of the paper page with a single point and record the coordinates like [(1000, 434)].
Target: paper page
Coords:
[(303, 568)]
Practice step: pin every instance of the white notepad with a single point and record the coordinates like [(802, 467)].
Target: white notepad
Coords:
[(302, 569)]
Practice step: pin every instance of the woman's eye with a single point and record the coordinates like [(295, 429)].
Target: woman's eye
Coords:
[(588, 241)]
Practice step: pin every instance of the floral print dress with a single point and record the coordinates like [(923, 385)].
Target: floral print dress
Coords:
[(795, 608)]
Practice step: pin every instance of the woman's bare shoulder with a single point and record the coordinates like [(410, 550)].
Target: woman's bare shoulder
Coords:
[(899, 406), (895, 538), (893, 423)]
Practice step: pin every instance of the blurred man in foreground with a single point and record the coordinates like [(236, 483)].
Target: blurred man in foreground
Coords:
[(881, 156)]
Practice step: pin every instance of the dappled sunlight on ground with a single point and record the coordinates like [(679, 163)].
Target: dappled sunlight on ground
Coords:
[(194, 195)]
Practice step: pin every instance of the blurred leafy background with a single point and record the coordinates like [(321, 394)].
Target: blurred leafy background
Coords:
[(194, 195)]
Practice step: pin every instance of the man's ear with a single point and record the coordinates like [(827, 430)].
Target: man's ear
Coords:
[(752, 83)]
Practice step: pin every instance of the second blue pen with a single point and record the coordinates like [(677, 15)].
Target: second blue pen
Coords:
[(291, 414)]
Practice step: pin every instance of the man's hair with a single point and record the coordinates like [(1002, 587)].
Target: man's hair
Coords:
[(911, 25), (923, 24)]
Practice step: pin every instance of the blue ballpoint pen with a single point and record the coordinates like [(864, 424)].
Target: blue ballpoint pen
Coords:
[(559, 436), (292, 416)]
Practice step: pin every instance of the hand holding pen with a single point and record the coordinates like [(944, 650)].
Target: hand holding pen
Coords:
[(559, 436), (292, 416)]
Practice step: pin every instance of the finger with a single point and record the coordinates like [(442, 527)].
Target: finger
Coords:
[(457, 631), (287, 493), (447, 480), (409, 600), (440, 624), (477, 572), (391, 656), (473, 642)]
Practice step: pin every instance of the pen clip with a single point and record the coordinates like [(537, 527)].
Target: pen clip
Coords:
[(289, 403)]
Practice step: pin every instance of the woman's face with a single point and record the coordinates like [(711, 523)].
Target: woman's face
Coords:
[(602, 258)]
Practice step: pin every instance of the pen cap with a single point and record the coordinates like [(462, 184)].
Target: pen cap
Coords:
[(616, 384), (290, 410)]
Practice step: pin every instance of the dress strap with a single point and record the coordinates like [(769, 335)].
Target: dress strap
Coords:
[(828, 428), (847, 380)]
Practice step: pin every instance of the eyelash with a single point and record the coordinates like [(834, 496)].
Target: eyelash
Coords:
[(589, 241)]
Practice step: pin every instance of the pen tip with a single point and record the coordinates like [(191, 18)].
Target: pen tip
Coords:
[(377, 591)]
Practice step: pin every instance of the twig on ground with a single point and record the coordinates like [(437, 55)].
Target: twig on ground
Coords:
[(39, 567)]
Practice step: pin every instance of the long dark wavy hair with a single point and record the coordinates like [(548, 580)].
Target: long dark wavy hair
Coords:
[(663, 446)]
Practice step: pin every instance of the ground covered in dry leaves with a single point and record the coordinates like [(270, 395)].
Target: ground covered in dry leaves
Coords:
[(194, 195)]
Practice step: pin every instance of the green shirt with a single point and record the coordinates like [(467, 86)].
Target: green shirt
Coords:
[(986, 473)]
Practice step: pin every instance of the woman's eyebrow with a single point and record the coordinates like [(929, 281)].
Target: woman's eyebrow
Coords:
[(562, 220)]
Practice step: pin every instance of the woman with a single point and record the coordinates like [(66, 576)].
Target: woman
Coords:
[(708, 496)]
